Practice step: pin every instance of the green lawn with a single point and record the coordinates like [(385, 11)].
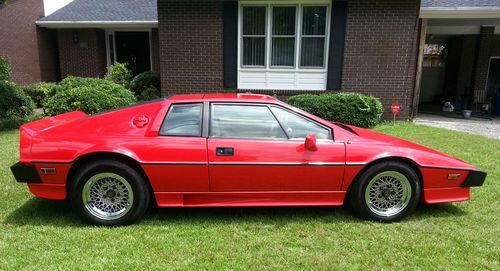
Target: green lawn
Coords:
[(46, 235)]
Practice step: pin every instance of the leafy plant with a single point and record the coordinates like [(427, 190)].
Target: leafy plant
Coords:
[(346, 107), (119, 73), (4, 67), (149, 93), (13, 101), (143, 82), (38, 92), (90, 95)]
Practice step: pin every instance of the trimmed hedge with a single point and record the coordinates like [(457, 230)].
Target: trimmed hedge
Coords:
[(14, 102), (38, 92), (345, 107), (142, 85), (4, 68), (90, 95)]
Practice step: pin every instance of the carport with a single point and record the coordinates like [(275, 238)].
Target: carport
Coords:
[(460, 57)]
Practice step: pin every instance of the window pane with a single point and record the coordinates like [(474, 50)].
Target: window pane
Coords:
[(283, 52), (312, 52), (244, 121), (254, 51), (183, 120), (284, 21), (314, 21), (254, 20), (299, 127)]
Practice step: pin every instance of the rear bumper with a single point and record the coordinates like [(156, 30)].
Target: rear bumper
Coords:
[(25, 173), (475, 178)]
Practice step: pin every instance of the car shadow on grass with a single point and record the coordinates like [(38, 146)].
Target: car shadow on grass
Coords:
[(37, 211)]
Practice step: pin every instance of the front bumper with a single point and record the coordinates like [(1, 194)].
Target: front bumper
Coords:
[(25, 173), (475, 178)]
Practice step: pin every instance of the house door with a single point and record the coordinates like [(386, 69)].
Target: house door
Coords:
[(133, 48)]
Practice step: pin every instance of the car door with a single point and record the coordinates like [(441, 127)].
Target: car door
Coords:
[(250, 150), (176, 159)]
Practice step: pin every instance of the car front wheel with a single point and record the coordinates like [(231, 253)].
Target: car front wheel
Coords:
[(386, 192), (109, 193)]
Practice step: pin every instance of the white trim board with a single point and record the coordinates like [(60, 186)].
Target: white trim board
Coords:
[(98, 24), (459, 12)]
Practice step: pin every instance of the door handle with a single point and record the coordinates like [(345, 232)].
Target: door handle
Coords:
[(224, 151)]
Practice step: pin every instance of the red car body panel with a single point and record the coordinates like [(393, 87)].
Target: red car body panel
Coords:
[(185, 171)]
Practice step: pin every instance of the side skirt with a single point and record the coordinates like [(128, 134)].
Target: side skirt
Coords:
[(250, 199)]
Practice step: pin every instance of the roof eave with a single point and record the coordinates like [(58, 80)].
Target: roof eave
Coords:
[(97, 24), (459, 12)]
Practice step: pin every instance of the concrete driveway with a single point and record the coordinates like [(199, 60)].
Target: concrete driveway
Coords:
[(487, 128)]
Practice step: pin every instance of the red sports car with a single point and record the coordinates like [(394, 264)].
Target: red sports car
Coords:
[(229, 150)]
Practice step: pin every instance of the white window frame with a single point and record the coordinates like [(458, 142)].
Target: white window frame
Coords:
[(298, 32), (297, 68), (112, 33)]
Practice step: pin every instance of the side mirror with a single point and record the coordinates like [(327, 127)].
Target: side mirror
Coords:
[(310, 143)]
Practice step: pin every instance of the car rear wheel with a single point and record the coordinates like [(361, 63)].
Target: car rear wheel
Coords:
[(386, 192), (109, 193)]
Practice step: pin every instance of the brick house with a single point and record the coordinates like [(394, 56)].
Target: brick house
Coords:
[(385, 48)]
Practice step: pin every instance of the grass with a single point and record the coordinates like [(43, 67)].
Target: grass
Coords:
[(37, 234)]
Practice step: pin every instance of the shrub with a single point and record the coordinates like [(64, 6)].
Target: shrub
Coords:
[(349, 108), (13, 101), (119, 73), (90, 95), (144, 81), (4, 68), (38, 92), (13, 122), (149, 93)]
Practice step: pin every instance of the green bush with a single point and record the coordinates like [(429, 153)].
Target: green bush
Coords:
[(119, 73), (38, 92), (349, 108), (145, 81), (90, 95), (14, 102), (13, 122), (149, 93), (4, 68)]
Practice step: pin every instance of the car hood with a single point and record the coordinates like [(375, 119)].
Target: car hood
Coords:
[(393, 146)]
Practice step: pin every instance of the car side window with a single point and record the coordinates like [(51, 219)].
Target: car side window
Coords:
[(299, 127), (244, 121), (182, 120)]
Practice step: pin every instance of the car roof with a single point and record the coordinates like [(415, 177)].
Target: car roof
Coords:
[(247, 97)]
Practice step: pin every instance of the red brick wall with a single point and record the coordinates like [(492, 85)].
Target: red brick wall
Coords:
[(20, 41), (191, 56), (87, 57), (379, 58), (486, 49), (48, 55), (155, 49), (381, 50)]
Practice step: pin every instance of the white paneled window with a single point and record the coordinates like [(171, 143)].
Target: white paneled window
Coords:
[(283, 44)]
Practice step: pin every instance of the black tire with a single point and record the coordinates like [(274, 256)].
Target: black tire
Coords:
[(373, 206), (126, 179)]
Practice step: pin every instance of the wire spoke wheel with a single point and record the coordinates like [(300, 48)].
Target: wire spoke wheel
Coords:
[(107, 196), (388, 193)]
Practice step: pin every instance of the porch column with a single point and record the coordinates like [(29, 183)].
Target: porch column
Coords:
[(482, 63)]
